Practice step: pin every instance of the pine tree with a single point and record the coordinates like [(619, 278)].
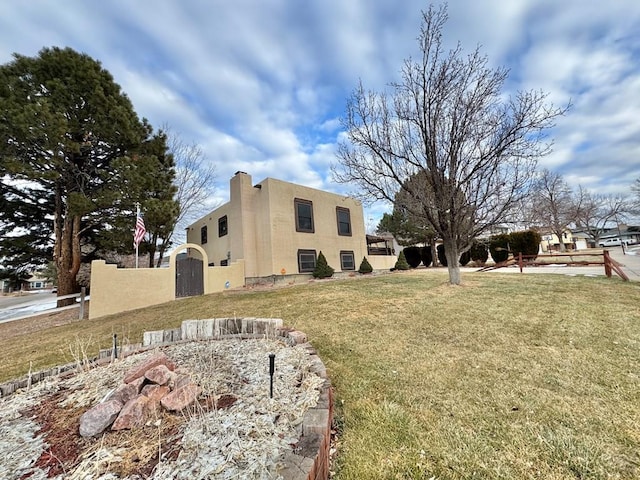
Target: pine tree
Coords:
[(74, 160)]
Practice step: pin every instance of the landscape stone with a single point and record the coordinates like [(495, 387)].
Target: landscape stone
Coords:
[(181, 380), (138, 383), (124, 393), (160, 375), (97, 419), (132, 414), (181, 397), (155, 392), (153, 361)]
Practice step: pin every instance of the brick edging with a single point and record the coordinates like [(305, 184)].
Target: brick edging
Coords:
[(310, 458)]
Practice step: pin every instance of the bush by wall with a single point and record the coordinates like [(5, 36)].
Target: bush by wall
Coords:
[(412, 254), (425, 255), (322, 270), (401, 263), (499, 247), (365, 266), (526, 242)]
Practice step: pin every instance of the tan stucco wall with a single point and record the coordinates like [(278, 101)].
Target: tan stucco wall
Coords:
[(382, 262), (262, 229), (223, 278), (115, 290)]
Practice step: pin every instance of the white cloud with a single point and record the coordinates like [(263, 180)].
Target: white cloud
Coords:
[(261, 85)]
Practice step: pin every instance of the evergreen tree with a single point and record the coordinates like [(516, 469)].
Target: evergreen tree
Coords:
[(365, 266), (74, 160), (401, 263), (322, 270)]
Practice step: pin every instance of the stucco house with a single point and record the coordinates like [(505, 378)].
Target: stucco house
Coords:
[(279, 228)]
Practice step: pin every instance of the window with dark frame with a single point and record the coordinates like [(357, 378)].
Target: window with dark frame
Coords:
[(223, 227), (304, 215), (203, 235), (343, 217), (347, 260), (306, 261)]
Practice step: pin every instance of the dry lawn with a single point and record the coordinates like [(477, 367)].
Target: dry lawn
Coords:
[(507, 376)]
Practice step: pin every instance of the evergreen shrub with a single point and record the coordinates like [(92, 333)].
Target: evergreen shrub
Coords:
[(465, 258), (479, 252), (425, 255), (322, 270), (401, 263), (526, 242), (365, 266), (442, 258), (412, 254), (499, 247)]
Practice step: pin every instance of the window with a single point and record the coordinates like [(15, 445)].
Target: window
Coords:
[(344, 221), (347, 261), (304, 215), (306, 261), (223, 227), (203, 235)]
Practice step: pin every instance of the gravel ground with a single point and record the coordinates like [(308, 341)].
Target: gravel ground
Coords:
[(236, 431)]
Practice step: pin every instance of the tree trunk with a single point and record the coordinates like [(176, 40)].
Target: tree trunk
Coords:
[(67, 258), (434, 254), (453, 262)]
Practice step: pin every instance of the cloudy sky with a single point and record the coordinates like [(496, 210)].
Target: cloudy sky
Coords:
[(260, 85)]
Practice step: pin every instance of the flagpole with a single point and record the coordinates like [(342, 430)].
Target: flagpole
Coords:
[(137, 215)]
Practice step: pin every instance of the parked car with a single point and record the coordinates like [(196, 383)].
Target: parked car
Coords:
[(614, 242)]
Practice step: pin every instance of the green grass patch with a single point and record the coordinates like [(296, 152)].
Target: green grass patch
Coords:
[(507, 376)]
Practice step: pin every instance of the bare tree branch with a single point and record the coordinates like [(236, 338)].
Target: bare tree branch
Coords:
[(446, 123)]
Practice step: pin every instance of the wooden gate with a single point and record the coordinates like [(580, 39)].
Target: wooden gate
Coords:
[(189, 277)]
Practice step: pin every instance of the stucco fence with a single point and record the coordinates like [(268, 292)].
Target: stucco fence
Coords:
[(115, 290), (382, 262)]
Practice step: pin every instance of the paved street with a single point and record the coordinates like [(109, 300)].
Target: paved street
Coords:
[(14, 307)]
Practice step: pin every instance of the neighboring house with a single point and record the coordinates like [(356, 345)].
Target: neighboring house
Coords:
[(551, 243), (33, 283), (279, 228), (630, 235)]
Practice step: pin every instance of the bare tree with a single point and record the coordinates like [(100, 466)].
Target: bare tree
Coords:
[(195, 177), (555, 206), (635, 201), (597, 211), (447, 119)]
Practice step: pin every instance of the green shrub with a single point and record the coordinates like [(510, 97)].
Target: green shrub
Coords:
[(526, 242), (479, 252), (322, 270), (465, 258), (412, 254), (499, 247), (365, 266), (425, 255), (401, 263), (442, 258)]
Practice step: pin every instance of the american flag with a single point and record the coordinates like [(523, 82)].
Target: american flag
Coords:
[(140, 231)]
